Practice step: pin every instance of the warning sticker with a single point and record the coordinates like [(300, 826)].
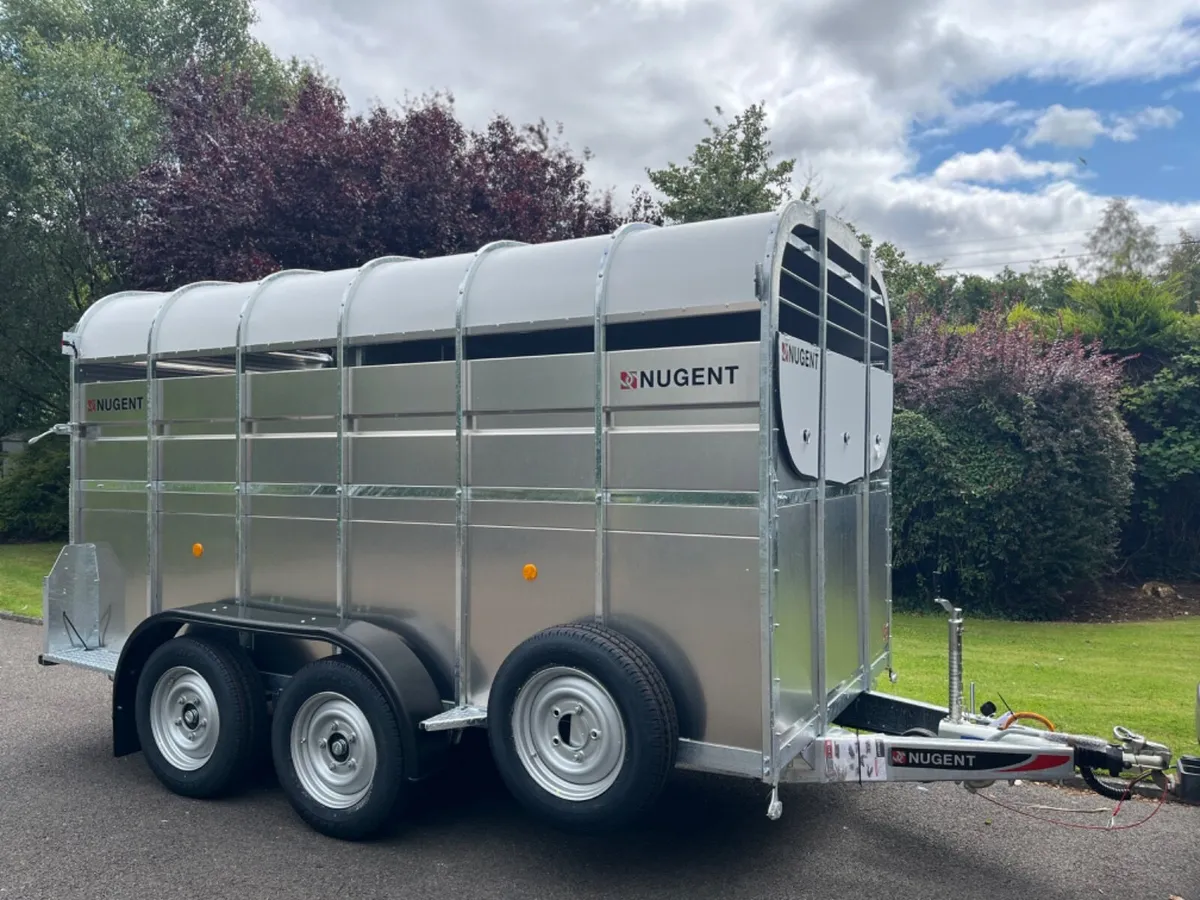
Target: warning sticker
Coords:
[(855, 759)]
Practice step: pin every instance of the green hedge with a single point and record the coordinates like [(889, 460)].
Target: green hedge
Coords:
[(1163, 538), (1012, 468), (34, 495)]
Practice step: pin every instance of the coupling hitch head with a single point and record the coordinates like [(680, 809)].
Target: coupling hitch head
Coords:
[(1139, 751)]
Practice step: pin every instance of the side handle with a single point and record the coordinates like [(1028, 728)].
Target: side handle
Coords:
[(63, 428)]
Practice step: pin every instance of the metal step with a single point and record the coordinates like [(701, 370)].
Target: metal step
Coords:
[(100, 660), (458, 717)]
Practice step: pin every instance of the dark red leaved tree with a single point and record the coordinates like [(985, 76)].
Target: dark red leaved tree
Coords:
[(235, 194)]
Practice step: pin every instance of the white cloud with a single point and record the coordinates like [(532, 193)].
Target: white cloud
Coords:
[(1127, 128), (998, 167), (970, 115), (1066, 127), (1188, 87), (1080, 127), (848, 83)]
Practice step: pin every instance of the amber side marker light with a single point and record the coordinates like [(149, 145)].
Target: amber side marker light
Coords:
[(197, 550), (530, 571)]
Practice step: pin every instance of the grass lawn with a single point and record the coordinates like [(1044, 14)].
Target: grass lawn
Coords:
[(1083, 677), (22, 568)]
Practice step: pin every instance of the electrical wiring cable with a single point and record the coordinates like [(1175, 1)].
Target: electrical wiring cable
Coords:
[(1037, 717), (962, 242), (1111, 826)]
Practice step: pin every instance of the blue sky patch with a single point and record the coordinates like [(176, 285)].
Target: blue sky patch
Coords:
[(1132, 138)]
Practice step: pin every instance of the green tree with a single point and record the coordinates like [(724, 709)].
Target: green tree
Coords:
[(1182, 267), (76, 120), (155, 37), (905, 277), (1131, 316), (729, 173), (1121, 244), (76, 100)]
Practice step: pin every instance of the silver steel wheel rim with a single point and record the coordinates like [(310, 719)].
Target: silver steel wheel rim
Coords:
[(333, 750), (184, 718), (578, 760)]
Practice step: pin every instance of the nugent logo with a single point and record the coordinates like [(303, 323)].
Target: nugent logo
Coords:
[(688, 376), (114, 404), (796, 355), (1014, 760), (937, 759)]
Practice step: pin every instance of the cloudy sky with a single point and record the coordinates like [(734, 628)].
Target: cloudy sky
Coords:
[(974, 131)]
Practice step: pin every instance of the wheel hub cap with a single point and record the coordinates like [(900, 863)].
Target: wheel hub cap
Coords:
[(569, 733), (184, 718), (333, 750)]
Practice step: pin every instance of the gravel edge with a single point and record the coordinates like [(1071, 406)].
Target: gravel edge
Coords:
[(15, 617)]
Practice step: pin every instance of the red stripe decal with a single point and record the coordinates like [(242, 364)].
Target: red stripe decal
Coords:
[(1039, 763)]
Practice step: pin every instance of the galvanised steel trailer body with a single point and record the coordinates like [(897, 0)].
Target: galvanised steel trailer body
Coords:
[(622, 500)]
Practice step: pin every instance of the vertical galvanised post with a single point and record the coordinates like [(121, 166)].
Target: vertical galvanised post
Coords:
[(864, 490), (955, 626), (764, 283), (822, 344), (76, 449)]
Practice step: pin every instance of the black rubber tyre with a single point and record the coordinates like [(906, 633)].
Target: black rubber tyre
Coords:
[(639, 693), (241, 714), (387, 792), (260, 719)]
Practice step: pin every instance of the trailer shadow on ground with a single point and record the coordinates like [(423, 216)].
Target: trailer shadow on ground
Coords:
[(709, 829)]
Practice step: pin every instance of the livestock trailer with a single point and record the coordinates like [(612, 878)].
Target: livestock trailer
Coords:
[(623, 501)]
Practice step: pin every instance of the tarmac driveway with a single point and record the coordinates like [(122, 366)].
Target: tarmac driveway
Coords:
[(77, 823)]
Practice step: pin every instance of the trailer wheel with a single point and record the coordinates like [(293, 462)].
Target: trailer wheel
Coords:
[(337, 749), (197, 716), (582, 726)]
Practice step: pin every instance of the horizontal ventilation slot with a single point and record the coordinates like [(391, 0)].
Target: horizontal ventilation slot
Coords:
[(724, 328)]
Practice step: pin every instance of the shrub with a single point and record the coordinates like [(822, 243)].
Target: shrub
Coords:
[(1131, 316), (1163, 539), (1139, 320), (34, 496), (1013, 465)]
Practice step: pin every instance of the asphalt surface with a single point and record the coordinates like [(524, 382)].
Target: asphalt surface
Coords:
[(75, 822)]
